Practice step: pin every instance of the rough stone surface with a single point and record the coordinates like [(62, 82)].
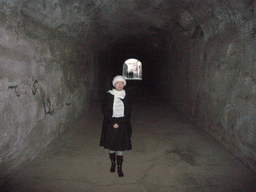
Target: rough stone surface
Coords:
[(213, 78), (43, 86), (58, 55)]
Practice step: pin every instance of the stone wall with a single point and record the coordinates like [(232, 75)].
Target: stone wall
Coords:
[(213, 78), (45, 80), (228, 87)]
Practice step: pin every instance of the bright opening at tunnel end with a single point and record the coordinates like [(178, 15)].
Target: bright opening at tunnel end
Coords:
[(132, 69)]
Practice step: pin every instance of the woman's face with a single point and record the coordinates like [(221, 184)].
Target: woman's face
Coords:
[(119, 85)]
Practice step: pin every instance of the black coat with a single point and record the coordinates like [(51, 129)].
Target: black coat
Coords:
[(116, 139)]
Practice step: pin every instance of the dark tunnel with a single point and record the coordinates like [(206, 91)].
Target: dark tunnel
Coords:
[(151, 50), (58, 57)]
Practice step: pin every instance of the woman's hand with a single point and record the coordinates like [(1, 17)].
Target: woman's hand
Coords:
[(116, 126)]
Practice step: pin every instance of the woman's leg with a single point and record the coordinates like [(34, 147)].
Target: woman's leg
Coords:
[(112, 156), (119, 156)]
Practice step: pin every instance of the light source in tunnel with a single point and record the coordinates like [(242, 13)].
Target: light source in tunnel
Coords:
[(132, 69)]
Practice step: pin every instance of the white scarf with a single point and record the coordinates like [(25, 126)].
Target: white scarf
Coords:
[(118, 105)]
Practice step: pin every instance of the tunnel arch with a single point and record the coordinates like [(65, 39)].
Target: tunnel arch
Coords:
[(147, 48), (132, 69), (195, 54)]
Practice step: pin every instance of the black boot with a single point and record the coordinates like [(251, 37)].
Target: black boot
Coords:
[(119, 165), (113, 162)]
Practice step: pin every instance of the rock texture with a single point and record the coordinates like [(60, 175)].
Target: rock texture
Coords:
[(44, 84), (56, 56)]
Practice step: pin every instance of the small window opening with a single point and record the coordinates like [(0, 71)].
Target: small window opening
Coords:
[(132, 69)]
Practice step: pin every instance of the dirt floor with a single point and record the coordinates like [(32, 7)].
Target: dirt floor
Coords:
[(169, 153)]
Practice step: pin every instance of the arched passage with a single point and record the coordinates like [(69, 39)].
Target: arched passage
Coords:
[(58, 56), (132, 69)]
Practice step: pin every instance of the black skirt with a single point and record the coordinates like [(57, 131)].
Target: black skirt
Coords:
[(118, 139)]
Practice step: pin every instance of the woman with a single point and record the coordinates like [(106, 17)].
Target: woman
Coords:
[(116, 129)]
